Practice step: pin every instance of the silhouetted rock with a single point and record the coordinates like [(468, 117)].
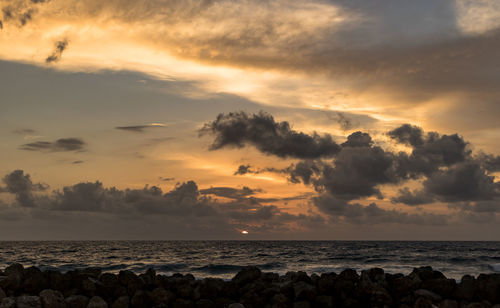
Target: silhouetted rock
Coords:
[(26, 301), (428, 295), (2, 294), (236, 305), (52, 299), (77, 301), (34, 281), (488, 287), (97, 302), (121, 302), (304, 291), (8, 302), (466, 288), (324, 301), (204, 303), (246, 275)]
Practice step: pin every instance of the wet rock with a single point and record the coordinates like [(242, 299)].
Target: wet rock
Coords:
[(52, 299), (304, 291), (205, 303), (427, 294), (77, 301), (247, 275), (130, 281), (2, 294), (140, 300), (57, 281), (270, 277), (28, 302), (148, 278), (280, 301), (326, 283), (402, 286), (466, 288), (211, 288), (97, 302), (8, 302), (121, 302), (442, 286), (13, 276), (236, 305), (422, 302)]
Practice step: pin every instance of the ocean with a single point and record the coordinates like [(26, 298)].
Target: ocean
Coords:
[(223, 259)]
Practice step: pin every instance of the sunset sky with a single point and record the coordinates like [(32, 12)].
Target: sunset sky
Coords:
[(184, 119)]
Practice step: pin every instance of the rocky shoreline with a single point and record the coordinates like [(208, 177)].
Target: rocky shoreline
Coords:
[(90, 288)]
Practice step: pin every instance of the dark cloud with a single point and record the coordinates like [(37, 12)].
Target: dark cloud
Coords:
[(358, 139), (140, 128), (166, 179), (230, 192), (20, 184), (243, 169), (60, 145), (77, 162), (490, 162), (56, 55), (408, 197), (260, 130), (372, 214), (462, 182), (1, 25)]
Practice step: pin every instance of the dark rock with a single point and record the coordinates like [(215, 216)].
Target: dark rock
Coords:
[(161, 296), (97, 302), (57, 281), (13, 276), (402, 286), (148, 278), (442, 286), (76, 301), (8, 302), (488, 287), (2, 294), (428, 295), (304, 291), (326, 283), (448, 303), (130, 281), (93, 272), (183, 303), (121, 302), (140, 300), (323, 301), (426, 272), (423, 302), (349, 275), (223, 302), (15, 268), (301, 304), (270, 277), (211, 288), (34, 281), (247, 275), (205, 303), (466, 288), (108, 286), (281, 301), (28, 302), (236, 305), (52, 299)]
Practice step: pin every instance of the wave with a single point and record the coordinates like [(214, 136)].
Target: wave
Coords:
[(495, 267)]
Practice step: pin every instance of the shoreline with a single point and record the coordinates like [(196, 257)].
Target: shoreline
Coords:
[(250, 287)]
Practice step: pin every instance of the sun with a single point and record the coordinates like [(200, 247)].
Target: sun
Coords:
[(244, 232)]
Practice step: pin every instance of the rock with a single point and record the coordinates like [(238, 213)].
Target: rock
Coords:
[(247, 275), (349, 275), (323, 301), (2, 294), (427, 294), (140, 300), (8, 302), (211, 288), (121, 302), (130, 281), (422, 302), (15, 268), (34, 281), (488, 287), (183, 303), (402, 286), (301, 304), (12, 278), (148, 278), (466, 288), (97, 302), (52, 299), (280, 301), (77, 301), (304, 291), (448, 303), (236, 305), (204, 303), (28, 302), (442, 286), (326, 282), (161, 296)]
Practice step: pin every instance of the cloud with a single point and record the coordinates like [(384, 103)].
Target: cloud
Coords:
[(230, 192), (24, 131), (166, 179), (243, 169), (60, 145), (57, 53), (140, 128), (22, 187), (77, 162), (268, 136), (408, 197)]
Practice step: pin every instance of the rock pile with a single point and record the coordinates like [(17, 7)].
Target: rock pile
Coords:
[(90, 288)]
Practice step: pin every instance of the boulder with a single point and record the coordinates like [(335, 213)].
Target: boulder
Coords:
[(204, 303), (2, 294), (466, 288), (130, 281), (97, 302), (77, 301), (52, 299), (324, 301), (28, 302), (301, 304), (304, 291), (427, 294), (488, 287), (448, 303), (161, 296), (422, 302), (442, 286), (247, 275), (121, 302), (8, 302), (326, 283), (236, 305), (140, 300), (34, 281), (183, 303), (280, 301)]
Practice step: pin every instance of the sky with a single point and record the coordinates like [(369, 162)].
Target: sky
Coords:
[(326, 120)]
